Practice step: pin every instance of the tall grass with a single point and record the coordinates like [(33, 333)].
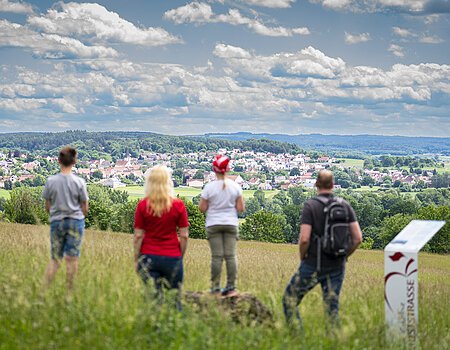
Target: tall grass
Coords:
[(107, 310)]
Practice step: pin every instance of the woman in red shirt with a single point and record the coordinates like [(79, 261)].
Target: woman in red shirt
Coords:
[(160, 233)]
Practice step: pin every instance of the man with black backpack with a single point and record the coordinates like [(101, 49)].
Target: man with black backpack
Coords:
[(329, 234)]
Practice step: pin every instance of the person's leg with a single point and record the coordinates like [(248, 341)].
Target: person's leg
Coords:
[(229, 248), (73, 231), (174, 275), (216, 244), (331, 287), (56, 251), (301, 283), (72, 269), (147, 270), (50, 272)]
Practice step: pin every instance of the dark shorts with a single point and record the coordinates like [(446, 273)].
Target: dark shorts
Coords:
[(165, 270), (66, 236)]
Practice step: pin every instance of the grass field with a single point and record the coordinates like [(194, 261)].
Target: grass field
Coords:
[(188, 192), (4, 193), (351, 162), (107, 310)]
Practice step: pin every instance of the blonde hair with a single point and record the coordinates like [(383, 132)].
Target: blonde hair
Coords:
[(159, 190)]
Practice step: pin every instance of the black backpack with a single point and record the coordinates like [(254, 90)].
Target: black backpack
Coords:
[(335, 241)]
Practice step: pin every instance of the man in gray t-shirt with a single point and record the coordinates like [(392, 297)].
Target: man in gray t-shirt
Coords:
[(66, 200)]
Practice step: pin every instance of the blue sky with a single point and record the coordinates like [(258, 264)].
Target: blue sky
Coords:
[(180, 67)]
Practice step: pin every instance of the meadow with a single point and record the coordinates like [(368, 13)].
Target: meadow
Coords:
[(107, 309), (187, 192)]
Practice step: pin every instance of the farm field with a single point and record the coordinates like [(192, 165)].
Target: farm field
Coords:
[(188, 192), (351, 162), (107, 310)]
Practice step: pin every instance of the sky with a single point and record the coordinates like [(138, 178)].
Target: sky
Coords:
[(214, 66)]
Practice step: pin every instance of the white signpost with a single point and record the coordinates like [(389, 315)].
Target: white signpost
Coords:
[(400, 277)]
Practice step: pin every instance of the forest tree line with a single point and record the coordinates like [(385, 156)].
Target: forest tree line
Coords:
[(381, 214)]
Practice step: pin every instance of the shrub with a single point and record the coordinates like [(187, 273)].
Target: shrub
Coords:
[(263, 226), (26, 206)]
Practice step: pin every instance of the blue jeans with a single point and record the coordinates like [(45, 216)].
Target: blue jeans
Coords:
[(165, 271), (305, 279), (66, 236)]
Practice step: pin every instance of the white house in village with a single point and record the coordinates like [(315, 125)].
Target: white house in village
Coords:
[(112, 182), (195, 183)]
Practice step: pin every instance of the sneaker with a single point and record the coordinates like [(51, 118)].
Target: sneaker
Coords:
[(229, 292), (215, 291)]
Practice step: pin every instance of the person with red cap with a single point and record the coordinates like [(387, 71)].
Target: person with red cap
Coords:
[(221, 200)]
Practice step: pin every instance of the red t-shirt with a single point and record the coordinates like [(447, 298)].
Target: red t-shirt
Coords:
[(160, 237)]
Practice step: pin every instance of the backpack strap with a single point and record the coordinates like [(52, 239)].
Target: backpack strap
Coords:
[(325, 201)]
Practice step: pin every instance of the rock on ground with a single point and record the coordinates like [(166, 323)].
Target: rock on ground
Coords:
[(243, 308)]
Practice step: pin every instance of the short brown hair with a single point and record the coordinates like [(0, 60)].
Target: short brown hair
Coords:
[(325, 180), (67, 156)]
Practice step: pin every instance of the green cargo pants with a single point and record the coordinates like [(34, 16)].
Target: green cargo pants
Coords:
[(222, 241)]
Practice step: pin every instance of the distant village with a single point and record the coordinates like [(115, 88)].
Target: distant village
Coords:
[(251, 170)]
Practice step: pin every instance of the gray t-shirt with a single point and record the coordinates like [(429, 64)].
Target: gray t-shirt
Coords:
[(65, 193)]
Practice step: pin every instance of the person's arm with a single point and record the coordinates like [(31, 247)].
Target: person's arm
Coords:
[(240, 205), (356, 234), (48, 204), (203, 205), (84, 199), (183, 234), (137, 243), (304, 239), (85, 207)]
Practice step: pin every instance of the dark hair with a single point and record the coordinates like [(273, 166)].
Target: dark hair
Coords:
[(325, 180), (67, 156)]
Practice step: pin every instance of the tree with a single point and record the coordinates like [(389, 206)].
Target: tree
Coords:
[(263, 226), (292, 214), (196, 220), (26, 206), (8, 185), (123, 218), (97, 175), (298, 195), (281, 199), (440, 243), (252, 206), (441, 180), (260, 196), (294, 172)]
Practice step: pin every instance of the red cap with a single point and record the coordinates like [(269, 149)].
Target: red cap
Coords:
[(221, 164)]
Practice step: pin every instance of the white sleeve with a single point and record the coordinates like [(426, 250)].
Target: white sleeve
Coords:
[(205, 192), (239, 190)]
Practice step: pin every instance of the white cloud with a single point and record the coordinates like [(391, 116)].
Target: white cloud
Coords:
[(413, 6), (430, 19), (49, 45), (21, 104), (202, 13), (396, 50), (279, 92), (15, 7), (430, 39), (228, 51), (93, 22), (402, 32), (270, 3), (356, 38), (334, 4)]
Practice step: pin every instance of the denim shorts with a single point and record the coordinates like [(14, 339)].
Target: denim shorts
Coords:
[(66, 236)]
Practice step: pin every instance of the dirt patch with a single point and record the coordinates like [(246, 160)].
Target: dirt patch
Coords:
[(243, 308)]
